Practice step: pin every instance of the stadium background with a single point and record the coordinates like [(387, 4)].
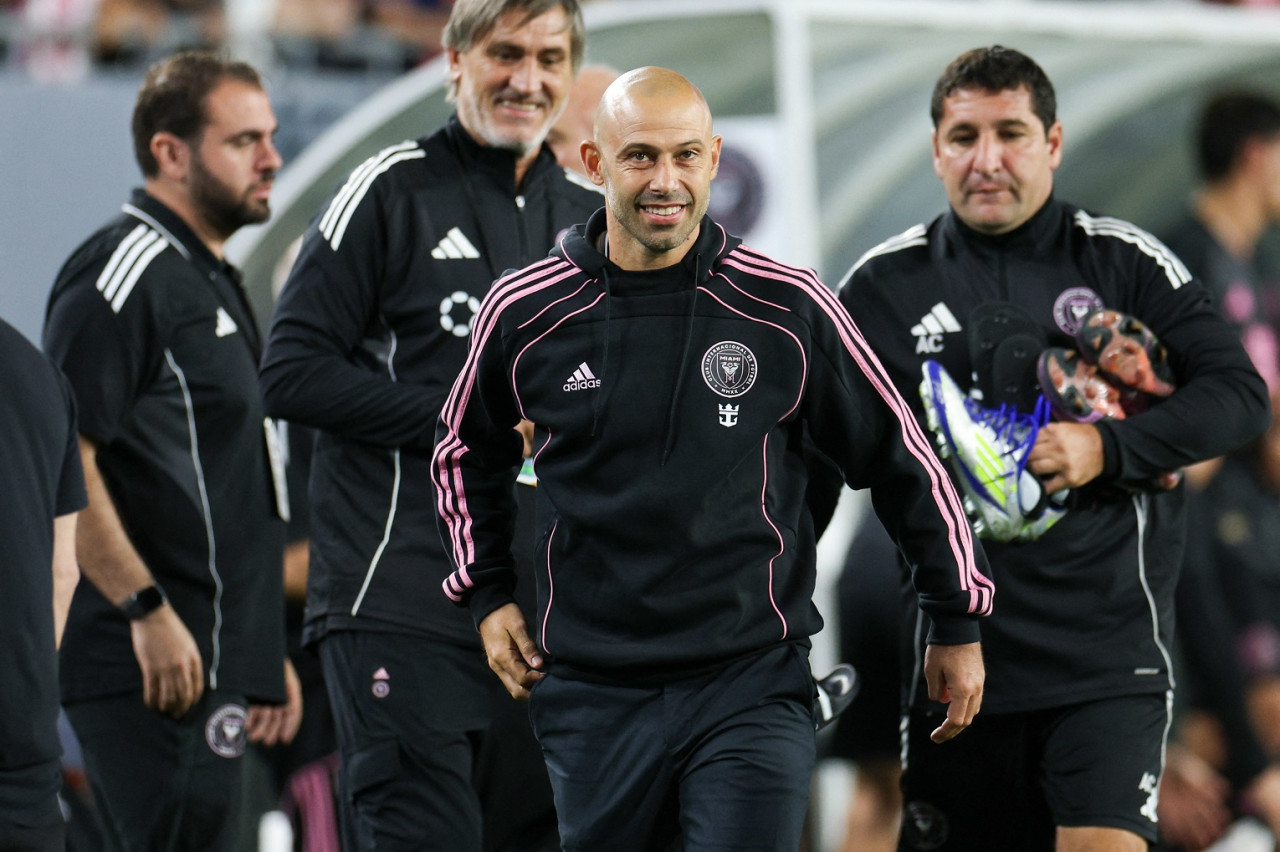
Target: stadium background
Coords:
[(823, 105)]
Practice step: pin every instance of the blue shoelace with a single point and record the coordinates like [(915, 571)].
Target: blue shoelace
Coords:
[(1017, 431)]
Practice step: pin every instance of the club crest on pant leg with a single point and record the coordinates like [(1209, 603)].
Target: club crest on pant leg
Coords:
[(225, 731)]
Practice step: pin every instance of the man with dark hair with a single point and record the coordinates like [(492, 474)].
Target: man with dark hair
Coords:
[(672, 376), (41, 490), (1238, 153), (1069, 750), (174, 656), (1227, 679), (369, 334)]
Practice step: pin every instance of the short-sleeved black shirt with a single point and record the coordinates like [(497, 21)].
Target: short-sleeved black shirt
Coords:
[(157, 338), (40, 479)]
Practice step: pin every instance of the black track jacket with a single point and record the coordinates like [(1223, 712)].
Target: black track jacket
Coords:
[(1086, 611), (368, 335), (669, 406)]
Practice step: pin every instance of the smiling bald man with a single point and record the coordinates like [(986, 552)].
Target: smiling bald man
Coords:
[(672, 374)]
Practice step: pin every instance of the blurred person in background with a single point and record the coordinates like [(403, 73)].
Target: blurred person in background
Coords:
[(132, 31), (1237, 144), (1224, 760), (869, 600), (1218, 766), (417, 25), (574, 125)]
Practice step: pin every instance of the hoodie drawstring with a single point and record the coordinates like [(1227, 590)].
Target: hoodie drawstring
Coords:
[(670, 438), (604, 370)]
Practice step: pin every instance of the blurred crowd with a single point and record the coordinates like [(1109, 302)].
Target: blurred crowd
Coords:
[(60, 40)]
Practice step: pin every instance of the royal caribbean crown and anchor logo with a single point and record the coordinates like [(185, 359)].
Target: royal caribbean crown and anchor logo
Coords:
[(729, 369)]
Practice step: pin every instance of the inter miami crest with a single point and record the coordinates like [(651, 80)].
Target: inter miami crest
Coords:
[(729, 368), (1072, 306), (225, 731), (924, 827)]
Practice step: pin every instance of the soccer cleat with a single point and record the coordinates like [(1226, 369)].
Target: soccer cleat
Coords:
[(1121, 370), (988, 449), (1075, 390), (1128, 354), (835, 693)]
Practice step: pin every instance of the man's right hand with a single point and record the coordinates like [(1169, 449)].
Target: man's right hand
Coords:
[(172, 671), (1263, 796), (1192, 805), (512, 654)]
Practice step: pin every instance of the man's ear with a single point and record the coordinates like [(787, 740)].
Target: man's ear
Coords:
[(1253, 154), (591, 162), (454, 56), (172, 154)]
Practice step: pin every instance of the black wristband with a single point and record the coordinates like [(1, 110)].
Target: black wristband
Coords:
[(143, 602)]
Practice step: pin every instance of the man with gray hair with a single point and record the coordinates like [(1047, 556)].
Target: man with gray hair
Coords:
[(369, 334)]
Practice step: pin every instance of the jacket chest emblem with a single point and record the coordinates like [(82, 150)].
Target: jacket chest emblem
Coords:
[(455, 246), (582, 379), (932, 326), (729, 369), (224, 324), (457, 313), (1072, 306)]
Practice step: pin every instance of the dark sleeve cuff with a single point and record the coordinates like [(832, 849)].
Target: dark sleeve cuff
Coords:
[(1110, 452), (485, 600), (954, 630)]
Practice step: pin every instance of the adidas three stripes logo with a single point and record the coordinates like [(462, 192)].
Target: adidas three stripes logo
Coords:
[(130, 259)]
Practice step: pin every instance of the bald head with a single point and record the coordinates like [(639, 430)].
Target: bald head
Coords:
[(651, 91), (655, 155)]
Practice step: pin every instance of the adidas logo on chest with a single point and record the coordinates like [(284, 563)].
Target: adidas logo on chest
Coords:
[(928, 332), (225, 324), (582, 379), (455, 246)]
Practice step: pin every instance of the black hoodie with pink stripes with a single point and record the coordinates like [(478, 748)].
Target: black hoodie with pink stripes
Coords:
[(670, 409)]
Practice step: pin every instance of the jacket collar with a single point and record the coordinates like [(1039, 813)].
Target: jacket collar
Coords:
[(581, 246), (149, 209), (497, 164), (1043, 225)]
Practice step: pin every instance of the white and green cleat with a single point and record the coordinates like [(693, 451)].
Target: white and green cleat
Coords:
[(988, 449)]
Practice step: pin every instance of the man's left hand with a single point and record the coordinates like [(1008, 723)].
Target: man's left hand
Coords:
[(955, 674), (512, 654), (272, 724)]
